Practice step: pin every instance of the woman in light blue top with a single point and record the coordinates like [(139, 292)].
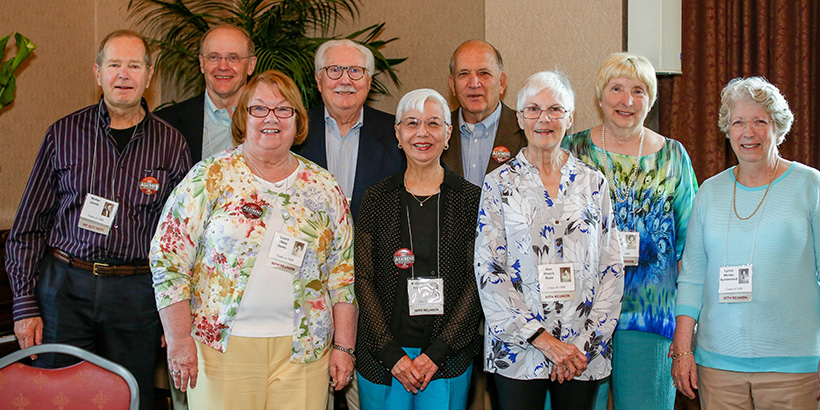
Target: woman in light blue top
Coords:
[(750, 269)]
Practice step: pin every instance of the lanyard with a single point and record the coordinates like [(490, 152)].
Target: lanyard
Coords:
[(438, 236)]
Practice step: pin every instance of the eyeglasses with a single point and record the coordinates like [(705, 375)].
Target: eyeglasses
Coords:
[(260, 111), (757, 124), (555, 112), (413, 124), (355, 72), (232, 59)]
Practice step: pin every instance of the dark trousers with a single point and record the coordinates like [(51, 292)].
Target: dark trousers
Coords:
[(531, 394), (114, 317)]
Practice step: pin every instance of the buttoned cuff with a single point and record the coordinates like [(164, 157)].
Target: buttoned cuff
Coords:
[(390, 354), (25, 307)]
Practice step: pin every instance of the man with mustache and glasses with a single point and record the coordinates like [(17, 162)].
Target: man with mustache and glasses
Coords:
[(226, 59), (354, 142)]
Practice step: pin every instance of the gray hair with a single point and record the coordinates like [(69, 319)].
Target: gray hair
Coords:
[(124, 33), (758, 91), (319, 61), (554, 81), (415, 100)]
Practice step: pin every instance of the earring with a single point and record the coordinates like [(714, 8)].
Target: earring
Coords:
[(446, 147), (399, 145)]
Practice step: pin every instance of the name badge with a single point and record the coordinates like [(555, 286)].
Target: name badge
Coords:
[(98, 214), (735, 284), (630, 247), (426, 296), (557, 281), (287, 252)]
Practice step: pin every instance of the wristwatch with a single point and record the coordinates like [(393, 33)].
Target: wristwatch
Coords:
[(351, 352)]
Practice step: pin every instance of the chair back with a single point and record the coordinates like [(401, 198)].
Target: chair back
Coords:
[(94, 383)]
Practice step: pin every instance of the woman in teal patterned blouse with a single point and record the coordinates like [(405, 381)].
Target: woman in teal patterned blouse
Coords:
[(652, 184)]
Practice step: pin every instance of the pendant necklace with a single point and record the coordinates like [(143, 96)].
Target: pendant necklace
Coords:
[(632, 175)]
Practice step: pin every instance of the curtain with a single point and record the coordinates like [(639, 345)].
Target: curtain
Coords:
[(721, 40)]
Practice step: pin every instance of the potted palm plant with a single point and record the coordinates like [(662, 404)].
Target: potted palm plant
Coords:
[(286, 34)]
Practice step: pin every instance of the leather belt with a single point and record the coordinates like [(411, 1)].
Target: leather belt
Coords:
[(100, 269)]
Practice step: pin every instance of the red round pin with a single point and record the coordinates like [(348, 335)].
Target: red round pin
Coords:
[(404, 258), (149, 185), (252, 211), (501, 154)]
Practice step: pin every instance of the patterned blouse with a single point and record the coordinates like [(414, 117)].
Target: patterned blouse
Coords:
[(205, 247), (520, 226), (658, 209)]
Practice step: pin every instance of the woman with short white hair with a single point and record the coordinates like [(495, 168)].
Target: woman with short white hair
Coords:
[(419, 309), (545, 211), (750, 269)]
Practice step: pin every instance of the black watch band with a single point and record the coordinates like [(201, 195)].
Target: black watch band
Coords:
[(535, 335)]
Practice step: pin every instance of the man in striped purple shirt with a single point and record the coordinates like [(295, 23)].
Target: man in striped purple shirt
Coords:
[(77, 252)]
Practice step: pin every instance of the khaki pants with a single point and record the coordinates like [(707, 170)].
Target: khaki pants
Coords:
[(723, 389), (256, 373)]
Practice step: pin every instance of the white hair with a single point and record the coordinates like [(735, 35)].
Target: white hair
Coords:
[(557, 83), (758, 91), (415, 100), (319, 61)]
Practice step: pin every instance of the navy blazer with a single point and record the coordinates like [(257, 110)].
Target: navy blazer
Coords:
[(379, 155), (188, 117)]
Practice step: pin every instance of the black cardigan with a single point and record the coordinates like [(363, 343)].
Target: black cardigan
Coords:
[(454, 334)]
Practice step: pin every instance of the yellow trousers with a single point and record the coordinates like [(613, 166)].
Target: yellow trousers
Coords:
[(256, 373)]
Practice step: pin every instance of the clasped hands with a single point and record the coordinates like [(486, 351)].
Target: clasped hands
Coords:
[(414, 374)]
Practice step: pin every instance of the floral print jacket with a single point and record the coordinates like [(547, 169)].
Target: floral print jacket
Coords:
[(205, 248), (520, 226)]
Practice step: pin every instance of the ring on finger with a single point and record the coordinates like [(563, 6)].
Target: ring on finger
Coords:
[(175, 372)]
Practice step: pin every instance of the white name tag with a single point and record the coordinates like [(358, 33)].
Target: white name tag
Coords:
[(287, 252), (426, 296), (630, 247), (735, 284), (97, 214), (557, 281)]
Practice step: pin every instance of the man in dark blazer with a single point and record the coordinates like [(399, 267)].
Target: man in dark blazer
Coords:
[(356, 143), (485, 131), (226, 60)]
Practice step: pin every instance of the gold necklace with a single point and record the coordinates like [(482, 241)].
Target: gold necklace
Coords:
[(632, 174), (421, 203), (734, 192)]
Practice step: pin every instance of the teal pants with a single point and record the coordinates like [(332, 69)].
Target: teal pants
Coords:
[(641, 373), (440, 394)]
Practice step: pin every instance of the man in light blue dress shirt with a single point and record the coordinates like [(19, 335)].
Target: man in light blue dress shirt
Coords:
[(487, 133), (226, 59), (356, 143)]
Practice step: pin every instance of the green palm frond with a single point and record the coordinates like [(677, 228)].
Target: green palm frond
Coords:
[(286, 34)]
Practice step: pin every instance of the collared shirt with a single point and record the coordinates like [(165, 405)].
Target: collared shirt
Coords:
[(342, 152), (79, 156), (521, 226), (205, 249), (216, 129), (477, 145)]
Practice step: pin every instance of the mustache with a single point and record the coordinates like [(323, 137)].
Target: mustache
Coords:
[(344, 89)]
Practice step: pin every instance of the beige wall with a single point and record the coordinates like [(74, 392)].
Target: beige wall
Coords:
[(573, 37), (58, 79)]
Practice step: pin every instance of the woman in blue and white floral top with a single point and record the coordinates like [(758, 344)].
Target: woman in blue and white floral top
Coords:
[(543, 215)]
